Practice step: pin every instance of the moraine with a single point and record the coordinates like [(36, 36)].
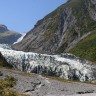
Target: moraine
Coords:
[(65, 66)]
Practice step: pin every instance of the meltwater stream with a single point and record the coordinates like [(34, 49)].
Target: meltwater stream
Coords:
[(65, 66)]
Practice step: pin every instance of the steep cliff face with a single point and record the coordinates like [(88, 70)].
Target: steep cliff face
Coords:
[(7, 36), (91, 8), (62, 29)]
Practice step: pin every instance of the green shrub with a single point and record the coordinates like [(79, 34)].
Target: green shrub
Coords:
[(10, 81), (5, 86)]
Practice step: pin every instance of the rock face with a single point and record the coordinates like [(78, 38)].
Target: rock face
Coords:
[(62, 29), (3, 62), (65, 66), (91, 7), (7, 36)]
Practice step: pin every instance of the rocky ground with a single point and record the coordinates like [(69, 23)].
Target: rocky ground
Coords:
[(36, 85)]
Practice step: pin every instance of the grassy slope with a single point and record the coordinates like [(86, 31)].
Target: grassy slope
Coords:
[(86, 48)]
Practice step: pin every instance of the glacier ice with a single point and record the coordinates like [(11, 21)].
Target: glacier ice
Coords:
[(5, 46), (65, 66), (18, 40)]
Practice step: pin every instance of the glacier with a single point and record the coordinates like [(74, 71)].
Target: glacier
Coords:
[(65, 65), (18, 40)]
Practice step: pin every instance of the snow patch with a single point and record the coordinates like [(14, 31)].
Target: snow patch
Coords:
[(20, 39)]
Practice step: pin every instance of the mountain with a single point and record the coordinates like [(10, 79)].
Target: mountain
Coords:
[(69, 28), (7, 36)]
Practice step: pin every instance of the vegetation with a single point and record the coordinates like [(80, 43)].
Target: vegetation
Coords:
[(10, 81), (69, 22), (86, 48), (5, 86), (68, 81), (3, 62), (8, 92), (62, 48), (84, 24)]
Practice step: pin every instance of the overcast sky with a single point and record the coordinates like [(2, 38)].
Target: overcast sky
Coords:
[(22, 15)]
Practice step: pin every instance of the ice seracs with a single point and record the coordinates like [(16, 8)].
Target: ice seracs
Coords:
[(65, 66)]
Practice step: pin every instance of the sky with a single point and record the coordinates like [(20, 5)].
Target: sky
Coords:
[(22, 15)]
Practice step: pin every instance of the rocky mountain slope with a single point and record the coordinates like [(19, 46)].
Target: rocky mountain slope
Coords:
[(7, 36), (62, 29)]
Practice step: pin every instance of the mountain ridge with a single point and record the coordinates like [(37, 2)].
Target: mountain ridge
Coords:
[(62, 29), (7, 36)]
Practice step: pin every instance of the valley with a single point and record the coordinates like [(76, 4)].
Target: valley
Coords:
[(55, 58), (39, 74)]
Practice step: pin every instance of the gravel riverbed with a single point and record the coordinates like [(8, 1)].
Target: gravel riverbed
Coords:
[(37, 85)]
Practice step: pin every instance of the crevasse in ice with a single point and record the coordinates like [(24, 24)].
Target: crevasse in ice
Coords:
[(65, 66)]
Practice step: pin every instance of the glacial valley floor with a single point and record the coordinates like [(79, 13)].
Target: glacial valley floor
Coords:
[(37, 85)]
